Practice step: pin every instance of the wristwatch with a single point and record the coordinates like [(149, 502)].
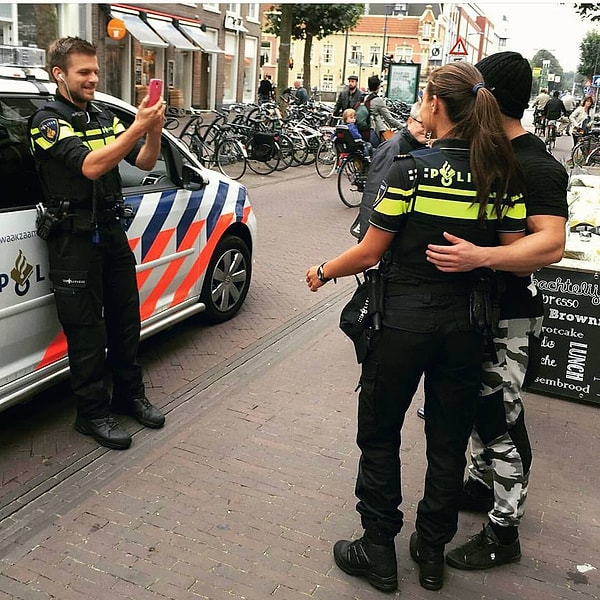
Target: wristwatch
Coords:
[(320, 276)]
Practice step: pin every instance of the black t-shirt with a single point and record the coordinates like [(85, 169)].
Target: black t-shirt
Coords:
[(445, 200), (546, 194)]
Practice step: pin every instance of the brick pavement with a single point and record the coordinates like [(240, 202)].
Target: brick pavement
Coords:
[(246, 489)]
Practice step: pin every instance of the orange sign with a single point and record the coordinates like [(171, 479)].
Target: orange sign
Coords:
[(116, 29)]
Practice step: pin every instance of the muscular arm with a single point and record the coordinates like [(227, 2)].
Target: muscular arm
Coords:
[(358, 258), (148, 121), (544, 245)]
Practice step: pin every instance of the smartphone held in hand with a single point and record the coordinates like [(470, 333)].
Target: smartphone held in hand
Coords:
[(154, 91)]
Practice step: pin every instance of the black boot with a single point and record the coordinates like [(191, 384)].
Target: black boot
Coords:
[(476, 497), (431, 563), (141, 410), (374, 561), (106, 431)]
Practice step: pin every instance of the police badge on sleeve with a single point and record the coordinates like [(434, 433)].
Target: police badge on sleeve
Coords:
[(49, 129)]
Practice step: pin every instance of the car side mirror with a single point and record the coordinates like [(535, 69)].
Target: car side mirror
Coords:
[(193, 179)]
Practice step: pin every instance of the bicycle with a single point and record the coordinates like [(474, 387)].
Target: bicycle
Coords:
[(587, 142), (326, 157), (244, 146), (539, 123), (353, 169), (550, 135)]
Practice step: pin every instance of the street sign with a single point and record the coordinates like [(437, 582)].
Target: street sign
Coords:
[(459, 48), (596, 80), (587, 90), (435, 52)]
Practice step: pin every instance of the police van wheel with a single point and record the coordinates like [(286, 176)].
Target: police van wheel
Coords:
[(227, 280)]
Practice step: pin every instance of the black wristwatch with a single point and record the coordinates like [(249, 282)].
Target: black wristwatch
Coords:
[(320, 275)]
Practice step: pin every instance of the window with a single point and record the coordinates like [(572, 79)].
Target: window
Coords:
[(266, 51), (20, 183), (253, 11), (327, 83), (427, 30), (327, 54), (211, 6), (403, 54), (374, 55), (233, 7), (355, 55)]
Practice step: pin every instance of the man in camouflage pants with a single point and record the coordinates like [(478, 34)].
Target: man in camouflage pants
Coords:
[(500, 448)]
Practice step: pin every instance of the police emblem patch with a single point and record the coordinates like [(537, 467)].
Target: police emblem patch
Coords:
[(49, 129)]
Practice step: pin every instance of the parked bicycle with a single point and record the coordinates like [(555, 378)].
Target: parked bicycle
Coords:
[(587, 142), (353, 168)]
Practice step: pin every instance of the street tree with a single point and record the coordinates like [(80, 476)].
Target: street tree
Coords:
[(312, 21), (554, 68), (588, 10), (589, 62)]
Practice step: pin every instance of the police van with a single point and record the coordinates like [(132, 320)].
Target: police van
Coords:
[(193, 233)]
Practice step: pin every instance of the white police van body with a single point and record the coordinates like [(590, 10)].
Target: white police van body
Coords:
[(193, 234)]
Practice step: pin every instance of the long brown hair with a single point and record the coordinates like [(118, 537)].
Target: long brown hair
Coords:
[(476, 118)]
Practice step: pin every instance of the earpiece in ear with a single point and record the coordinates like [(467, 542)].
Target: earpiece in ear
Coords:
[(62, 77)]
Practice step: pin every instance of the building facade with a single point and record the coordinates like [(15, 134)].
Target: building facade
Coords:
[(207, 54), (403, 33)]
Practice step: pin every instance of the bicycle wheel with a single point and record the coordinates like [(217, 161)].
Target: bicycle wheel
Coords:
[(580, 152), (593, 158), (286, 148), (351, 180), (231, 158), (550, 137), (300, 148), (326, 160), (263, 158)]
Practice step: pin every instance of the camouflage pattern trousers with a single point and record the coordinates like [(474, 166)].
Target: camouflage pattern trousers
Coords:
[(500, 448)]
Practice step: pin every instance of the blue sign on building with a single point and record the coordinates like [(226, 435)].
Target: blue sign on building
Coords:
[(596, 80)]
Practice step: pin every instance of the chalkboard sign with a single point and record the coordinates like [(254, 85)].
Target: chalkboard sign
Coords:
[(570, 334)]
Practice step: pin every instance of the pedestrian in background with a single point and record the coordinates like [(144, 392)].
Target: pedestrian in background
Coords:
[(411, 137), (349, 97), (501, 453), (300, 93), (426, 327), (265, 90), (78, 144), (582, 118), (381, 117)]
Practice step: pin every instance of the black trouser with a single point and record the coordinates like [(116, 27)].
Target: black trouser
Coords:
[(97, 300), (431, 335)]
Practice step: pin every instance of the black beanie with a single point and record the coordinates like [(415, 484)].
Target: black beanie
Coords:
[(508, 76)]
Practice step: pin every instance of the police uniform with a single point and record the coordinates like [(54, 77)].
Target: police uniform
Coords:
[(426, 330), (92, 267)]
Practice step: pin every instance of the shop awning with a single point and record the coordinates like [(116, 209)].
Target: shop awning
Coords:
[(199, 37), (171, 34), (139, 30)]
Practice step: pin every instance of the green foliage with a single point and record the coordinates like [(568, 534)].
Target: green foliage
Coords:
[(588, 11), (589, 58), (316, 20)]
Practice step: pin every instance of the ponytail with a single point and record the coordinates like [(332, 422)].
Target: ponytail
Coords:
[(476, 118)]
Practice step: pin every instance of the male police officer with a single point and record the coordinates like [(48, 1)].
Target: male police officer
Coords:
[(78, 145)]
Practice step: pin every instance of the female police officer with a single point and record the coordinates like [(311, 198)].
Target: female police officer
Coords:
[(466, 182)]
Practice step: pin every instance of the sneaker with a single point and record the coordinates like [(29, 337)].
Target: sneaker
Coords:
[(430, 561), (483, 551), (476, 497), (362, 558), (142, 410)]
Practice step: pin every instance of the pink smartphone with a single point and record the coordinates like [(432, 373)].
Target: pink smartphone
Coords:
[(154, 91)]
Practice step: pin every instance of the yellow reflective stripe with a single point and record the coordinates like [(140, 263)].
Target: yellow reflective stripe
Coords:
[(457, 209), (444, 191), (395, 202), (118, 126)]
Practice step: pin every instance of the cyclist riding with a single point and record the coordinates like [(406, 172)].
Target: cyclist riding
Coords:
[(554, 109)]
